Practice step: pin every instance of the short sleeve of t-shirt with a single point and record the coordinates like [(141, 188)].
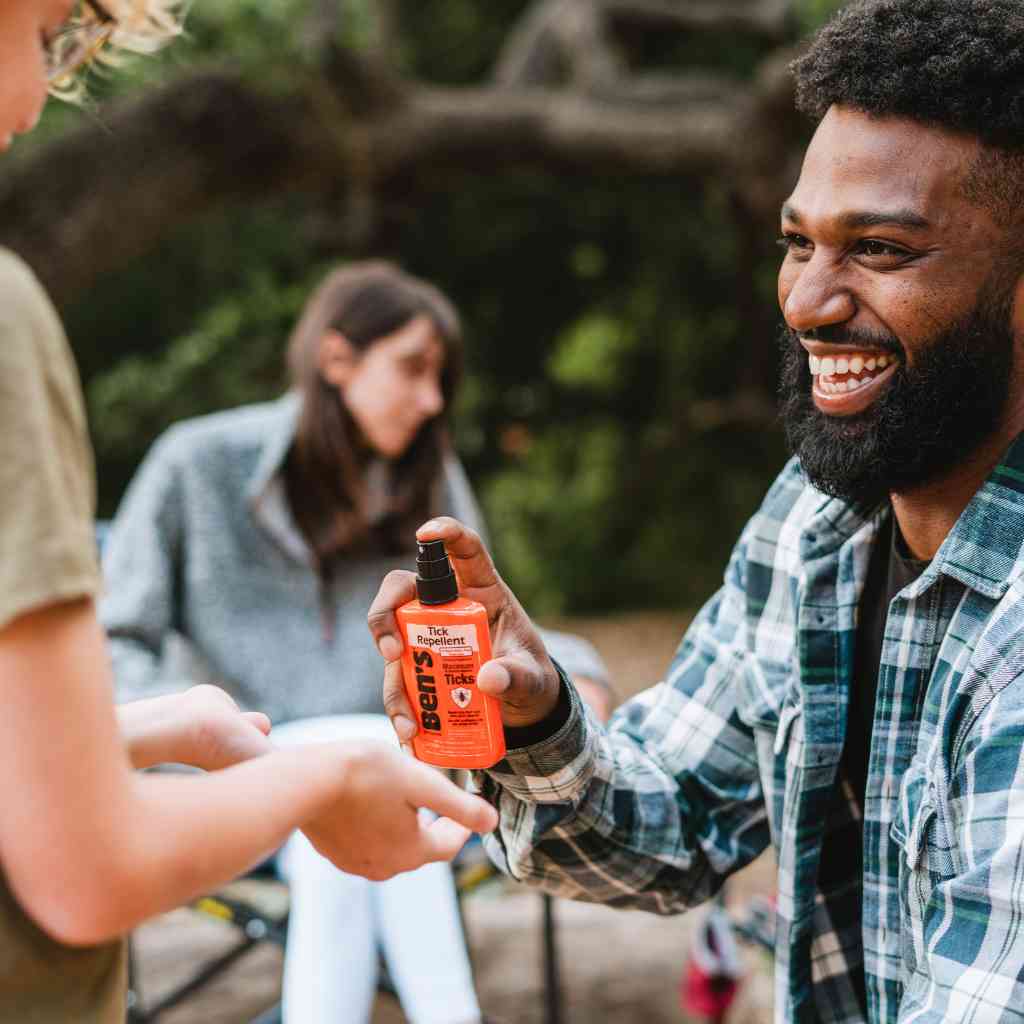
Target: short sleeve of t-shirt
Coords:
[(47, 476)]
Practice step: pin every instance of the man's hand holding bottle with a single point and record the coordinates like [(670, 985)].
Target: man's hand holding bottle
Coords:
[(520, 673)]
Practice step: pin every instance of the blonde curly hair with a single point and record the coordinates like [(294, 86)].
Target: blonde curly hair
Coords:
[(145, 25), (101, 32)]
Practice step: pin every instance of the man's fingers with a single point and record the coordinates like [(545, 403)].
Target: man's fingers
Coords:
[(469, 557), (428, 788), (397, 587), (396, 704), (526, 692), (441, 840), (494, 678)]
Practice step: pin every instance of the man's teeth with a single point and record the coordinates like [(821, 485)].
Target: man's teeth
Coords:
[(840, 386), (828, 366), (861, 367)]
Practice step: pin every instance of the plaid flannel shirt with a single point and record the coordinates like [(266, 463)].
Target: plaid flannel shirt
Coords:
[(740, 746)]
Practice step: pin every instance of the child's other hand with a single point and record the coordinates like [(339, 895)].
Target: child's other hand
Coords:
[(374, 828)]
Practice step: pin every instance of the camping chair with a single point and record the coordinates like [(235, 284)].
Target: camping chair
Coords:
[(257, 908)]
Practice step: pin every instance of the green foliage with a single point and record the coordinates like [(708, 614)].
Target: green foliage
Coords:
[(812, 14), (589, 356), (225, 360), (232, 356), (566, 490), (256, 35)]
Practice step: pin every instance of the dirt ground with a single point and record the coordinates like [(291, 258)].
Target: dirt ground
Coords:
[(616, 966)]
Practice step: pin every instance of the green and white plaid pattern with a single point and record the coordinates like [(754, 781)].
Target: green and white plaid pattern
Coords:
[(739, 748)]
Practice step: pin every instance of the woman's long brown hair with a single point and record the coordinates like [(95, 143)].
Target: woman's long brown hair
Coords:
[(325, 470)]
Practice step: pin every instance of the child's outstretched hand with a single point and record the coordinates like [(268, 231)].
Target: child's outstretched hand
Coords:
[(202, 727)]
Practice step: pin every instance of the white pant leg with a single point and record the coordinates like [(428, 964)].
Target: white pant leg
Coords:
[(329, 728), (421, 934), (341, 917), (331, 960)]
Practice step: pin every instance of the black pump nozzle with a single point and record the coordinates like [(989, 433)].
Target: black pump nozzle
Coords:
[(435, 579)]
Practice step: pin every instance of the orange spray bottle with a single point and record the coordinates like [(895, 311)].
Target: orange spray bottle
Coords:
[(445, 640)]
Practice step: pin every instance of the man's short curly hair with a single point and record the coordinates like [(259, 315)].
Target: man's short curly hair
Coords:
[(956, 64)]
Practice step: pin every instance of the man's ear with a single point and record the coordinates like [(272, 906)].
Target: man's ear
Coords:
[(336, 358)]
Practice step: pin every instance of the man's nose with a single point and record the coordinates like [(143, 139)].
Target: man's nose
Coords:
[(815, 296)]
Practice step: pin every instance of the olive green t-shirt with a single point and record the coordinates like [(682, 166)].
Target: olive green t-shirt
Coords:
[(47, 554)]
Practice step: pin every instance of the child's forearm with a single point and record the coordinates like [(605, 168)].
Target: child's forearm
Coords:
[(227, 821), (81, 835), (357, 802), (152, 730)]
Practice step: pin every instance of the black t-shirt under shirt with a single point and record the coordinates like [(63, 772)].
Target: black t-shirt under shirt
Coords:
[(890, 570)]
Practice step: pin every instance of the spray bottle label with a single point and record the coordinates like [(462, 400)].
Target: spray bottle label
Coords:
[(446, 659), (453, 641)]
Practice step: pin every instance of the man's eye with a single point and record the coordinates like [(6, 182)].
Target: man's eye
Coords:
[(794, 243), (875, 248)]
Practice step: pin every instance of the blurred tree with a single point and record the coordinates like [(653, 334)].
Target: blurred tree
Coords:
[(596, 182)]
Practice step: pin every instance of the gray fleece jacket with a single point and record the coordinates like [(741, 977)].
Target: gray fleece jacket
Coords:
[(204, 550)]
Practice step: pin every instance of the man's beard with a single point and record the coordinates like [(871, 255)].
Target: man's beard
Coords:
[(929, 417)]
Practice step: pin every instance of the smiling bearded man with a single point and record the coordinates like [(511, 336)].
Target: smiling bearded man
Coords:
[(853, 696), (864, 424)]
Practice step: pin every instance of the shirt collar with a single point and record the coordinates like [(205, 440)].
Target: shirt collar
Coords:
[(276, 445), (831, 524), (982, 551), (265, 492)]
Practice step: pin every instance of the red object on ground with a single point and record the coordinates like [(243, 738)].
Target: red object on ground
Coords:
[(713, 969)]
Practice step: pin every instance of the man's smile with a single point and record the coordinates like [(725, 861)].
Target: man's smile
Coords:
[(846, 380)]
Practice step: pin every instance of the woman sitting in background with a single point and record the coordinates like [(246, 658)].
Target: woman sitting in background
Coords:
[(261, 536)]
